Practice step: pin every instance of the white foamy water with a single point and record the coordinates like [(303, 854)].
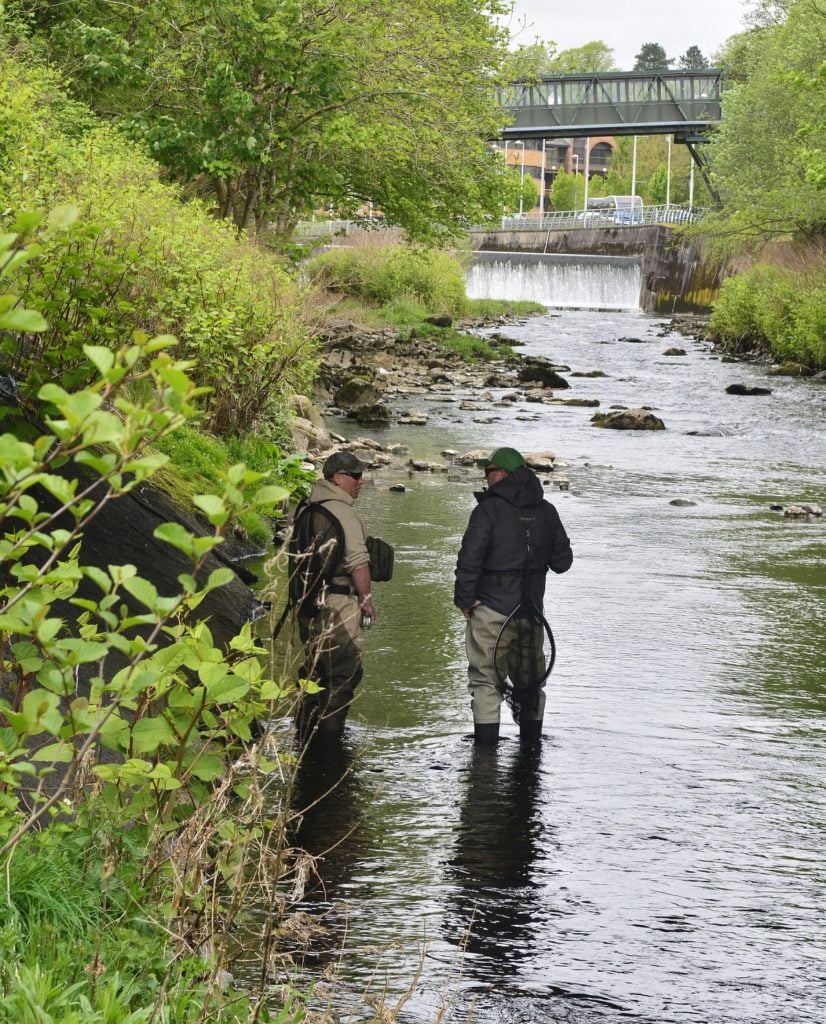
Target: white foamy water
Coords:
[(582, 282)]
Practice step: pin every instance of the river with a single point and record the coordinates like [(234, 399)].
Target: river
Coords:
[(661, 857)]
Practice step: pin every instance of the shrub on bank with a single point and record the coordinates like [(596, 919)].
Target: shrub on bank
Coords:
[(777, 307), (133, 832), (394, 273)]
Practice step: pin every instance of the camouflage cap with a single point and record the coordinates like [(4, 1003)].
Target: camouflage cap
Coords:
[(342, 462)]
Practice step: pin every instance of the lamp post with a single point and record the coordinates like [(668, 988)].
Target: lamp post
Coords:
[(668, 176), (691, 186), (521, 143), (542, 185)]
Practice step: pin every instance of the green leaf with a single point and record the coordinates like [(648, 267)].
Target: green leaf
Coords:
[(176, 535), (103, 359), (149, 733), (207, 767), (40, 709), (213, 507), (62, 217), (57, 753), (20, 319), (142, 590)]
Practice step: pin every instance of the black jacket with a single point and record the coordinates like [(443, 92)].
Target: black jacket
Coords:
[(491, 564)]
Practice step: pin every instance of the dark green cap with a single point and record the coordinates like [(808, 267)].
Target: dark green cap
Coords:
[(508, 459)]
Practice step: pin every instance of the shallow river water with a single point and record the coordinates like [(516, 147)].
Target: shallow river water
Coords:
[(661, 858)]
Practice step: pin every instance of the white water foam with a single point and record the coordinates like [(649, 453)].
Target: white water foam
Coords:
[(582, 282)]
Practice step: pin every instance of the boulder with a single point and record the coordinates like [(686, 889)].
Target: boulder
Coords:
[(802, 511), (473, 456), (790, 370), (542, 462), (537, 368), (378, 413), (747, 389), (674, 352), (443, 320), (304, 409), (355, 393), (413, 419), (307, 437), (628, 419)]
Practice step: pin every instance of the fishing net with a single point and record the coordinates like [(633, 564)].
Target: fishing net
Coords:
[(523, 656)]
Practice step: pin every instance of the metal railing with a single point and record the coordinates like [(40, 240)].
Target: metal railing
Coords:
[(322, 228), (567, 219)]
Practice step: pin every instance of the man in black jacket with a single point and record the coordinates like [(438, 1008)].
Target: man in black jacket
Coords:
[(514, 536)]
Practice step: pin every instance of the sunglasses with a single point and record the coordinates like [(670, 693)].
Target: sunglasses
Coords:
[(492, 469), (353, 476)]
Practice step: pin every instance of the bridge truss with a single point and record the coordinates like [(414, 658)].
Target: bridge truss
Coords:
[(685, 104)]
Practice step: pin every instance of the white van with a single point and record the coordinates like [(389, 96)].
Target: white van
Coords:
[(618, 209)]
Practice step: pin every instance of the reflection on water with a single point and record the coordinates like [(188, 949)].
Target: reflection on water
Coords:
[(662, 859), (492, 870)]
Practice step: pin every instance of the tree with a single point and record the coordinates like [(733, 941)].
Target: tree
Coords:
[(567, 191), (592, 58), (768, 168), (528, 193), (652, 58), (657, 187), (693, 59), (275, 108)]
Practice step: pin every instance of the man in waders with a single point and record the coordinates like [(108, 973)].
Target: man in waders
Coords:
[(513, 538), (332, 625)]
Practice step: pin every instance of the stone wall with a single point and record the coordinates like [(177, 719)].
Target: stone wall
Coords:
[(677, 275)]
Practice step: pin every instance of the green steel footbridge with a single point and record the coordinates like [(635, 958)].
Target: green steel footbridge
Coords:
[(685, 104)]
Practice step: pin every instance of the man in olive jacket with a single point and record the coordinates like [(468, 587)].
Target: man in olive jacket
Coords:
[(513, 538), (333, 633)]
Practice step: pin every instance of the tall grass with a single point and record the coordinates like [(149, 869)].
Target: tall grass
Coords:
[(385, 274)]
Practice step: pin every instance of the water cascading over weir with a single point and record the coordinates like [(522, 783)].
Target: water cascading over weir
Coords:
[(561, 281)]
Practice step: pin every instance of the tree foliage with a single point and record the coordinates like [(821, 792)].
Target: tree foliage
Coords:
[(139, 258), (770, 168), (652, 58), (568, 191), (276, 107), (592, 58), (693, 59)]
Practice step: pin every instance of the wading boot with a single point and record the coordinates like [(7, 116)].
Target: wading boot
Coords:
[(486, 733), (531, 731)]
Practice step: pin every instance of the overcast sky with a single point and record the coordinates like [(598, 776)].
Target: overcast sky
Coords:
[(626, 24)]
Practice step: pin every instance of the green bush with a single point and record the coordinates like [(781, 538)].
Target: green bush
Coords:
[(388, 274), (138, 257), (775, 307)]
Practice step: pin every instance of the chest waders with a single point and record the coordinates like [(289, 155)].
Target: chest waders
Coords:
[(525, 650)]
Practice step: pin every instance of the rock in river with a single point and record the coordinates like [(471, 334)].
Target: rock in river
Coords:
[(747, 389), (628, 419)]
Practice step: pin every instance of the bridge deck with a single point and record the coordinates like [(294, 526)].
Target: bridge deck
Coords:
[(624, 103)]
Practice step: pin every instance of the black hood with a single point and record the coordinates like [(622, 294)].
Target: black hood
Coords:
[(521, 489)]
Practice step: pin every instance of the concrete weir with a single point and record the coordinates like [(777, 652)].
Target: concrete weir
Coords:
[(676, 275), (562, 281)]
